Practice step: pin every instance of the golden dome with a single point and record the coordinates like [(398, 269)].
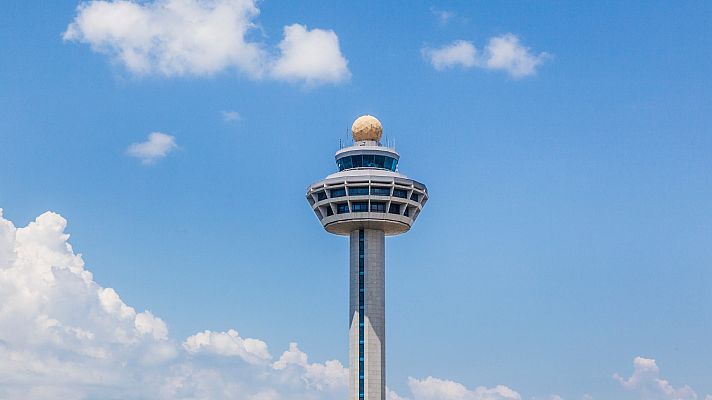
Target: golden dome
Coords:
[(366, 127)]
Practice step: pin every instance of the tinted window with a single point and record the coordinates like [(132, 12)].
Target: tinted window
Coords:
[(399, 193), (357, 161), (380, 162), (358, 191), (414, 196), (321, 196), (380, 191), (394, 209), (359, 207), (342, 208), (378, 207), (367, 161), (338, 192)]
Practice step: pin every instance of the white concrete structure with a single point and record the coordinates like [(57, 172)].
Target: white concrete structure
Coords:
[(367, 200)]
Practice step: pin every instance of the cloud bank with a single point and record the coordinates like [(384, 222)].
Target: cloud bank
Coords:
[(201, 38), (502, 53), (64, 336)]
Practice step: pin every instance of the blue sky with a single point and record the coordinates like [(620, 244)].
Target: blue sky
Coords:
[(569, 226)]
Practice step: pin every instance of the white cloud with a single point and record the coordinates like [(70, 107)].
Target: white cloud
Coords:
[(505, 53), (202, 38), (458, 53), (228, 344), (391, 395), (312, 56), (231, 116), (443, 16), (331, 374), (439, 389), (64, 336), (646, 381), (156, 146)]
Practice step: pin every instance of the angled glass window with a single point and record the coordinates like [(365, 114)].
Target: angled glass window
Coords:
[(321, 196), (359, 207), (369, 160), (378, 207), (380, 191), (358, 191), (394, 209), (342, 208), (380, 161), (398, 193), (390, 164), (357, 161), (341, 192), (414, 196)]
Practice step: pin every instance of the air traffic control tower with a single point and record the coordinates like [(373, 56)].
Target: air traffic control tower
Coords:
[(367, 200)]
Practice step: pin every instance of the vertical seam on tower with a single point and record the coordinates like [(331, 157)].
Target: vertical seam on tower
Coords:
[(361, 309)]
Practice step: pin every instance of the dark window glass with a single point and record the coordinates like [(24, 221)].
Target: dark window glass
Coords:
[(342, 208), (414, 196), (321, 196), (396, 193), (359, 207), (344, 163), (406, 213), (358, 191), (380, 191), (329, 212), (357, 161), (394, 209), (338, 192), (369, 160), (380, 161), (378, 207)]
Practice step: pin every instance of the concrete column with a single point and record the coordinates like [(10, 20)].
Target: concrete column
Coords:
[(374, 330)]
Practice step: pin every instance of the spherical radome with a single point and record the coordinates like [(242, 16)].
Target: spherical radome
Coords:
[(366, 127)]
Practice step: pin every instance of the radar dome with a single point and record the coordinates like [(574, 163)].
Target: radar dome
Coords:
[(366, 127)]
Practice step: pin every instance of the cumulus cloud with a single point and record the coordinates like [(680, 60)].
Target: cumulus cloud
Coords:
[(504, 53), (202, 38), (310, 55), (331, 374), (458, 53), (64, 336), (156, 146), (439, 389), (647, 382), (228, 344)]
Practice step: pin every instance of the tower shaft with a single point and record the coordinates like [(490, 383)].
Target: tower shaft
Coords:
[(367, 332)]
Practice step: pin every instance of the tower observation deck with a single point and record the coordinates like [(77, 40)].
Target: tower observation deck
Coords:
[(367, 199)]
